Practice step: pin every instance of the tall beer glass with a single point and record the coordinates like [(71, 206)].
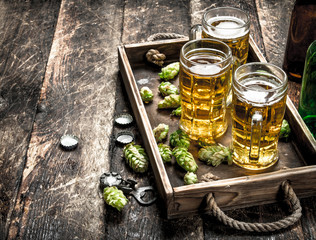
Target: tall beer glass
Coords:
[(258, 107), (231, 26), (205, 72)]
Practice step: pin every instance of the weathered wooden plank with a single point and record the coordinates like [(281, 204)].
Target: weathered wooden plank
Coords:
[(274, 30), (142, 19), (26, 33), (274, 34), (59, 196)]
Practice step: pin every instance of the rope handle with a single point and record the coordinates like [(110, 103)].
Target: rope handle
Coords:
[(158, 36), (260, 227)]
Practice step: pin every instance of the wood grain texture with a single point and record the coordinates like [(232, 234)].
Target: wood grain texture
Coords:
[(59, 195), (274, 31), (142, 19), (26, 33), (274, 34)]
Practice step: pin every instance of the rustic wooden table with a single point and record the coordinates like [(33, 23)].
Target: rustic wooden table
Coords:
[(59, 74)]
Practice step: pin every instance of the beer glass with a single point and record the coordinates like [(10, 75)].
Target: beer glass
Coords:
[(258, 107), (205, 73), (231, 26)]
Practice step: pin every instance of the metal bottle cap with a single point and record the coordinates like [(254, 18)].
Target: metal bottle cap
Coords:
[(69, 142), (124, 137), (123, 119)]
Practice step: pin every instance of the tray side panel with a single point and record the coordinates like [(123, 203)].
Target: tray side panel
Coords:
[(244, 191), (162, 181), (303, 139)]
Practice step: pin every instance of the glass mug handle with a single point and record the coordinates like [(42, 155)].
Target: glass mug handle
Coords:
[(256, 128), (196, 32)]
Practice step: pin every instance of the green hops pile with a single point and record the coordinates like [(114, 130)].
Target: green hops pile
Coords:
[(136, 157), (161, 132), (171, 101), (114, 197), (185, 159), (146, 94), (190, 178), (165, 152), (179, 139), (167, 88), (170, 71), (215, 155)]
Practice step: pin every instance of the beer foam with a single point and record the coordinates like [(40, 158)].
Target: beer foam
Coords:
[(257, 91), (226, 27), (205, 69)]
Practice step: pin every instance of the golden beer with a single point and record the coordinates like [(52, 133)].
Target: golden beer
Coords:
[(231, 26), (204, 81), (258, 107)]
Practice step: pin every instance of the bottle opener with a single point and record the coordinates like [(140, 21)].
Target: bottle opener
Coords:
[(110, 179)]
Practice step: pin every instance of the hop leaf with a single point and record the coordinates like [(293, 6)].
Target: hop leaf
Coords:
[(185, 159), (215, 155), (165, 152), (285, 130), (114, 197), (136, 157), (167, 88), (171, 101), (161, 132), (190, 178), (146, 94), (177, 112), (170, 71), (179, 139)]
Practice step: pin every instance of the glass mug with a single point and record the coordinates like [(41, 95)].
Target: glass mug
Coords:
[(258, 106), (205, 73), (229, 25)]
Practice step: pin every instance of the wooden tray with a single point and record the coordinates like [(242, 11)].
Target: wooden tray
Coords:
[(237, 187)]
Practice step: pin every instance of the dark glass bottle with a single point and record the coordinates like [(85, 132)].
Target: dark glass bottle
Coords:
[(302, 33), (307, 105)]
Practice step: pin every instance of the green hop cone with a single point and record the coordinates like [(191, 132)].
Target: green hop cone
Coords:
[(177, 112), (185, 159), (171, 101), (146, 94), (165, 152), (170, 71), (114, 197), (161, 132), (190, 178), (214, 155), (285, 130), (167, 88), (136, 157), (179, 139)]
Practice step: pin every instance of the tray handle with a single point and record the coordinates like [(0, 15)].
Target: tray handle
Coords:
[(260, 227)]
